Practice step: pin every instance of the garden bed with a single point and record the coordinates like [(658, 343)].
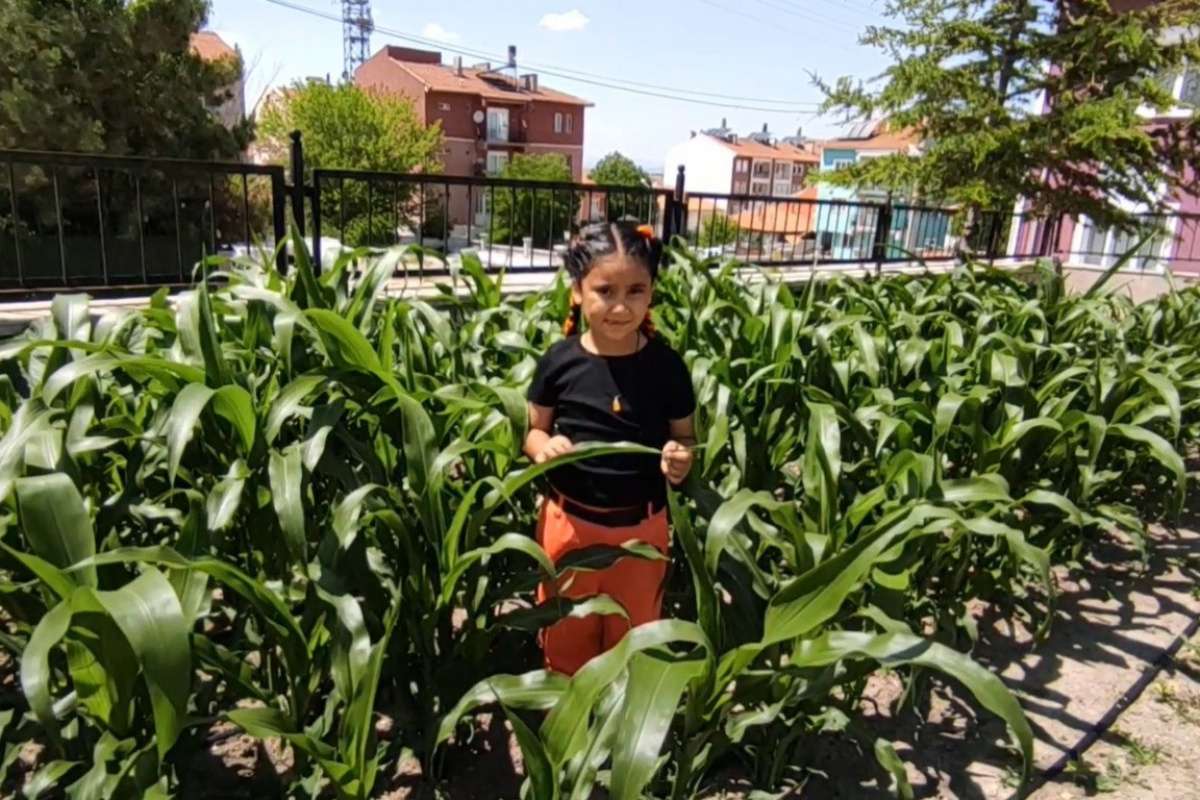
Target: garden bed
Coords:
[(319, 492)]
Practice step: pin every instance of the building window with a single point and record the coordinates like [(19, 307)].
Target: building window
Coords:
[(570, 164), (762, 169), (841, 163), (570, 123), (783, 170), (1102, 247), (1183, 85), (741, 165), (497, 125), (740, 187), (558, 122), (1189, 87), (496, 162), (443, 106)]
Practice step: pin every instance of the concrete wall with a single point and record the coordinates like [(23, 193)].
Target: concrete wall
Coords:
[(1139, 287)]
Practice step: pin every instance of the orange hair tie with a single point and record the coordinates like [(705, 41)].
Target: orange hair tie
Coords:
[(645, 231), (569, 326)]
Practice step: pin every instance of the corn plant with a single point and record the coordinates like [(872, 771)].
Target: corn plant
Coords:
[(297, 505)]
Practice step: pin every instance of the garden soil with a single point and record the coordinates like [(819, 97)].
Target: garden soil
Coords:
[(1104, 662)]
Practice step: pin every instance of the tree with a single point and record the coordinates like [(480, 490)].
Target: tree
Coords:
[(970, 76), (112, 77), (718, 231), (543, 214), (345, 127), (119, 78), (616, 169)]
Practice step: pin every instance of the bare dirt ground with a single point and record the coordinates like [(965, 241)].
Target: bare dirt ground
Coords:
[(1114, 620)]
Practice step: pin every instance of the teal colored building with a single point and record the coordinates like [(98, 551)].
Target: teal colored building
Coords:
[(847, 219)]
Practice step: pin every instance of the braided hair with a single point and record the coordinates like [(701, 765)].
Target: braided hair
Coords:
[(598, 240)]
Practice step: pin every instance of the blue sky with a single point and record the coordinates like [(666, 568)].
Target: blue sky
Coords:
[(742, 48)]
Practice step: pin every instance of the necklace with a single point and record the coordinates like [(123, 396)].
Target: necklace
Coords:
[(637, 349)]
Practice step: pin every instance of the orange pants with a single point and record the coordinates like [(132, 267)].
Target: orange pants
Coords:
[(637, 584)]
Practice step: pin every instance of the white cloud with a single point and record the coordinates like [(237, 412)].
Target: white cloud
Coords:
[(435, 31), (573, 20)]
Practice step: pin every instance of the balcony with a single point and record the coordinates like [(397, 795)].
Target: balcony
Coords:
[(503, 136)]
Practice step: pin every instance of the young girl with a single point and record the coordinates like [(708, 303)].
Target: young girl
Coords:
[(615, 381)]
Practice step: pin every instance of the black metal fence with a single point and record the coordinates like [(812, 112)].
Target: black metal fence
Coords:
[(98, 222), (102, 223), (514, 225), (802, 231)]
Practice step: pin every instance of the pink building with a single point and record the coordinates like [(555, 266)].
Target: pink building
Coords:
[(1078, 241)]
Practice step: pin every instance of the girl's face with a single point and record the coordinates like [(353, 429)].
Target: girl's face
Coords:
[(614, 297)]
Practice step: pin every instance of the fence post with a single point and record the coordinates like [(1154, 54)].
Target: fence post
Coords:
[(883, 225), (675, 212), (298, 181), (316, 212), (993, 246), (279, 219)]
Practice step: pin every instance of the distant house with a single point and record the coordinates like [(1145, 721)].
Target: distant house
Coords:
[(212, 48), (487, 113), (1082, 242), (848, 218), (742, 177), (866, 140), (719, 161)]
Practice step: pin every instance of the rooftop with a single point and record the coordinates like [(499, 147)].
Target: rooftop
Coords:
[(426, 67), (876, 135), (763, 144), (211, 47), (759, 150)]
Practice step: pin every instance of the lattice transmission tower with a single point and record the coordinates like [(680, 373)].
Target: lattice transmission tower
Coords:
[(356, 35)]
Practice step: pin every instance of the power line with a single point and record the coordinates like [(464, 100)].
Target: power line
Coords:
[(820, 19), (745, 15), (669, 93)]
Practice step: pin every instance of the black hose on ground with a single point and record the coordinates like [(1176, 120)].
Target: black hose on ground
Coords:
[(1101, 727)]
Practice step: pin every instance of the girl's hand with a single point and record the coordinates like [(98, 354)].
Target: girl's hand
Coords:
[(676, 461), (556, 446)]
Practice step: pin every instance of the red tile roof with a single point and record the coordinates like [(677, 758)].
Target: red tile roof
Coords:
[(443, 78), (881, 138), (779, 151), (211, 47)]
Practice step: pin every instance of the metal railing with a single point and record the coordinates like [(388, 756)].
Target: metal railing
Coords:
[(102, 223), (98, 222), (515, 225), (785, 231)]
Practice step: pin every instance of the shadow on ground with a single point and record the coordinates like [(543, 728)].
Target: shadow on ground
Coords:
[(1114, 618)]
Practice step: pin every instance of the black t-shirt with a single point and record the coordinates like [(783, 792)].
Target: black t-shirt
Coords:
[(651, 387)]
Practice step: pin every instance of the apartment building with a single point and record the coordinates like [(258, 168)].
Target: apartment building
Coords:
[(488, 113), (1081, 241), (847, 219), (719, 161)]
